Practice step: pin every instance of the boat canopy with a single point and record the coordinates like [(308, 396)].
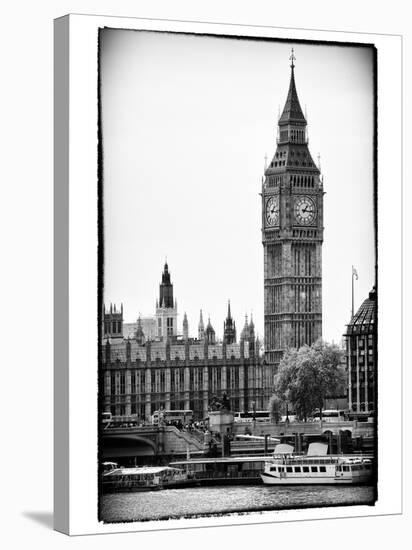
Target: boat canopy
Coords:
[(283, 449), (317, 449), (144, 470)]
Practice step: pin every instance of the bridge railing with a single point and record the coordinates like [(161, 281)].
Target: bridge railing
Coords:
[(289, 428)]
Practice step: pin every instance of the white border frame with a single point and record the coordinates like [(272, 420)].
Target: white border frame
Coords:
[(76, 272)]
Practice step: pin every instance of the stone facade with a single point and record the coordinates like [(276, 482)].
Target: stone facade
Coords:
[(178, 374), (292, 234), (141, 374)]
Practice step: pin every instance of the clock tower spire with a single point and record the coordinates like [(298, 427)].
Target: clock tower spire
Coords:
[(292, 236)]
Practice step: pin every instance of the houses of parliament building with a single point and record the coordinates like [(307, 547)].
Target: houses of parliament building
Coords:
[(174, 371), (154, 366)]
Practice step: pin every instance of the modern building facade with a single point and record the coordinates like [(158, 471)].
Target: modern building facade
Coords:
[(141, 375), (361, 360), (292, 235)]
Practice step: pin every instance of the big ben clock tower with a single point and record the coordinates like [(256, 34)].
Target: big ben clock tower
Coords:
[(292, 233)]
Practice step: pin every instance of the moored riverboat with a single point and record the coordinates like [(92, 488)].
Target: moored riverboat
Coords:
[(315, 468), (233, 470), (146, 478)]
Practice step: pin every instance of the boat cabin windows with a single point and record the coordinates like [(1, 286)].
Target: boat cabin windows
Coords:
[(313, 468), (322, 468), (305, 469), (289, 469), (297, 469), (273, 468)]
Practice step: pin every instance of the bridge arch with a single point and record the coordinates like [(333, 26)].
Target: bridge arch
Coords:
[(127, 445)]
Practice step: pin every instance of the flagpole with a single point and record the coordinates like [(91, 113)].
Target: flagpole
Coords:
[(352, 295)]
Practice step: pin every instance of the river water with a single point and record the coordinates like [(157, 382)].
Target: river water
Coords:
[(199, 501)]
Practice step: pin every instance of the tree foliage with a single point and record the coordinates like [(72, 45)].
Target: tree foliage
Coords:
[(308, 375)]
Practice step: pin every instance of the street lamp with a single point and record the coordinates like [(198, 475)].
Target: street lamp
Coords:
[(254, 410)]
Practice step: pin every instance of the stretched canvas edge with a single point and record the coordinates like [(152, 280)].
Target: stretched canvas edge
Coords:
[(61, 275), (74, 90)]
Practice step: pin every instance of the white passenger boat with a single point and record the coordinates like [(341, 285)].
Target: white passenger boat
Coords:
[(144, 478), (315, 468)]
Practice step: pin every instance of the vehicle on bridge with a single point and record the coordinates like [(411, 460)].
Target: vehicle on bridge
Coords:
[(258, 416), (185, 416), (106, 418), (330, 415), (118, 421)]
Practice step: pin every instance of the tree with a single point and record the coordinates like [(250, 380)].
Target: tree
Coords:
[(308, 375)]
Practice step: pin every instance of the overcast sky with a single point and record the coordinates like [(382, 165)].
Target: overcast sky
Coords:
[(187, 121)]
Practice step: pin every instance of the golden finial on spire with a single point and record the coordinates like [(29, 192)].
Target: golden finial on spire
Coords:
[(292, 59)]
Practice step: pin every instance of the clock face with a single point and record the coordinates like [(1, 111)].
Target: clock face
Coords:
[(272, 210), (305, 210)]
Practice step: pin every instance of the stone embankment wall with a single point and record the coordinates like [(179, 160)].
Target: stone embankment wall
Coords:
[(179, 442)]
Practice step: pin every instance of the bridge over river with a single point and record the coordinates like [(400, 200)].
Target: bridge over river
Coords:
[(168, 441)]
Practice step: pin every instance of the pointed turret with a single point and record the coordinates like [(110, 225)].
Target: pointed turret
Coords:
[(292, 153), (166, 289), (244, 335), (166, 308), (185, 327), (292, 111), (251, 328), (113, 322), (229, 327), (201, 327), (139, 334), (257, 346), (210, 333), (251, 336)]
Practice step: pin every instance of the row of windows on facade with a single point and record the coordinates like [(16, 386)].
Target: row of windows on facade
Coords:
[(361, 341), (369, 368), (280, 154), (116, 361), (114, 327), (291, 163), (362, 408), (295, 180), (177, 381), (169, 326), (303, 332), (303, 262), (361, 351), (304, 300), (362, 328), (292, 135), (304, 233)]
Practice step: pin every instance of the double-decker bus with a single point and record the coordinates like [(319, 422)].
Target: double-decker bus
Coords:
[(183, 416), (330, 415), (258, 416)]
